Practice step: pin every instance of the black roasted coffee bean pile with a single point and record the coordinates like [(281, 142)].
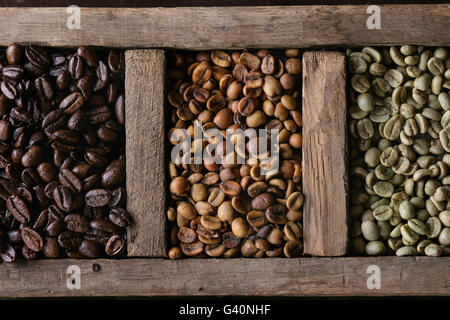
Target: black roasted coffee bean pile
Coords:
[(62, 163)]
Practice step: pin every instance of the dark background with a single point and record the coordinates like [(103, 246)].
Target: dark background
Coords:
[(183, 3)]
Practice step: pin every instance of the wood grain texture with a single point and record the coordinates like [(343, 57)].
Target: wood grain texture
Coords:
[(418, 276), (144, 126), (228, 27), (324, 153)]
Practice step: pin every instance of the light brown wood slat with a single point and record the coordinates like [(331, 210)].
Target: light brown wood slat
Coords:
[(417, 276), (228, 27), (324, 153), (146, 184)]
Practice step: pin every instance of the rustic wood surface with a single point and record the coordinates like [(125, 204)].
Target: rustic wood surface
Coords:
[(241, 277), (228, 27), (144, 125), (324, 153)]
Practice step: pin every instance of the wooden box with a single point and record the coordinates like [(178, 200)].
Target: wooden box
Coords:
[(324, 271)]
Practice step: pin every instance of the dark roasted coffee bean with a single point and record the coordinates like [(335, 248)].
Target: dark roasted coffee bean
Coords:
[(116, 61), (18, 209), (119, 217), (117, 197), (43, 88), (30, 177), (32, 157), (70, 180), (105, 226), (93, 157), (39, 194), (50, 248), (75, 67), (32, 239), (49, 188), (63, 198), (91, 182), (12, 72), (90, 249), (54, 120), (41, 221), (62, 79), (9, 255), (77, 222), (77, 121), (115, 245), (98, 114), (46, 171), (9, 90), (25, 194), (70, 240), (114, 174), (54, 228), (88, 55), (72, 103), (86, 84), (37, 56), (14, 53)]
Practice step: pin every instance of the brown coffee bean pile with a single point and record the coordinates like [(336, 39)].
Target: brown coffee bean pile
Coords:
[(62, 165), (230, 210)]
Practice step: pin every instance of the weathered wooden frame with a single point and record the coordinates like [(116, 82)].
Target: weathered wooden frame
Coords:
[(229, 27)]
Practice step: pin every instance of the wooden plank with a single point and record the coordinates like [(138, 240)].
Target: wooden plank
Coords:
[(228, 27), (418, 276), (144, 126), (324, 154)]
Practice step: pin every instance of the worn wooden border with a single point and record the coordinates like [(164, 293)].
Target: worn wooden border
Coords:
[(412, 276), (228, 27)]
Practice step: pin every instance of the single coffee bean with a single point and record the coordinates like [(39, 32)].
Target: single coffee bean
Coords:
[(97, 198), (115, 245), (90, 249), (18, 209), (32, 239)]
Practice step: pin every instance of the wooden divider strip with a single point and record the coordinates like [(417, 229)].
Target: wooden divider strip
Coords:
[(325, 153), (144, 126)]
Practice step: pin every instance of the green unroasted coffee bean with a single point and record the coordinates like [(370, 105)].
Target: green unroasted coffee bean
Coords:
[(375, 248), (433, 250), (370, 230), (383, 213), (383, 189), (406, 251)]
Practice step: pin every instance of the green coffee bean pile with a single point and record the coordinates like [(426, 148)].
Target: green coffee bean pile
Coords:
[(399, 110)]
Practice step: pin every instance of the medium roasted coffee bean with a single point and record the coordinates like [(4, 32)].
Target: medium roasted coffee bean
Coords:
[(32, 239), (97, 198), (276, 213), (263, 201)]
